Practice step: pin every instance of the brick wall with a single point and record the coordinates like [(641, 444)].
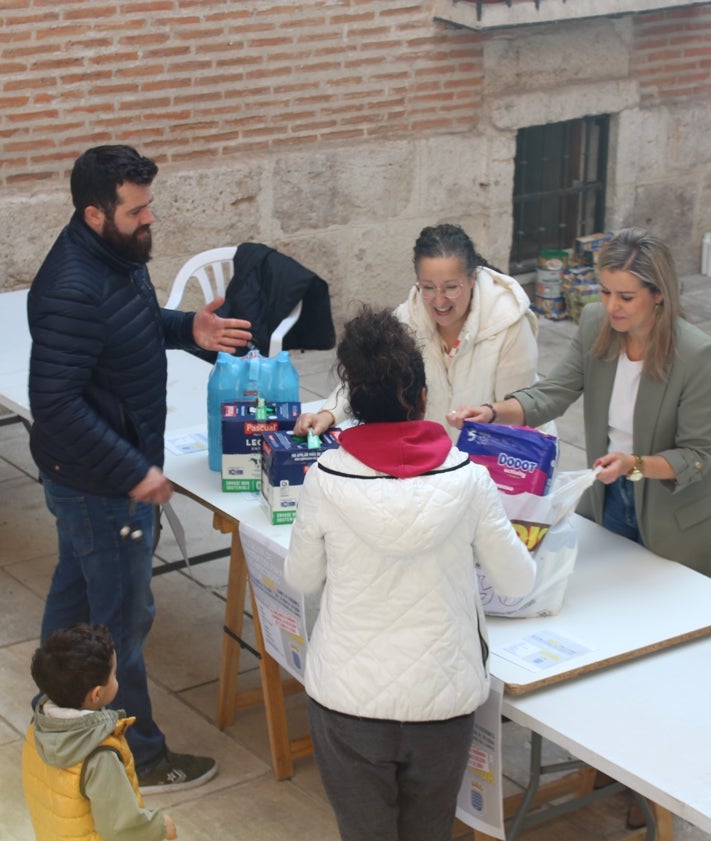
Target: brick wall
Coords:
[(191, 81), (336, 129), (671, 56)]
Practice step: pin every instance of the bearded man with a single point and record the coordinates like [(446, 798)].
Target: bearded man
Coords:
[(98, 373)]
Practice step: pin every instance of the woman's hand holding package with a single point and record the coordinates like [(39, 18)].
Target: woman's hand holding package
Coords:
[(509, 412), (319, 422), (613, 466), (480, 414)]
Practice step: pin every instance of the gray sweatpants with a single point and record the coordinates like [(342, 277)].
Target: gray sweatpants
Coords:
[(390, 780)]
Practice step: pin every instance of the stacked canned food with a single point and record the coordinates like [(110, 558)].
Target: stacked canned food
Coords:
[(549, 300), (567, 279)]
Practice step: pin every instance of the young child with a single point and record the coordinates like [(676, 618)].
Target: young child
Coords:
[(77, 769)]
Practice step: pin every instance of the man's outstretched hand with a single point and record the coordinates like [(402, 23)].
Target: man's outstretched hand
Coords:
[(212, 332)]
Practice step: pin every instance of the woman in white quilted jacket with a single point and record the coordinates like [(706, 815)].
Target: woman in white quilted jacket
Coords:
[(474, 325), (391, 525)]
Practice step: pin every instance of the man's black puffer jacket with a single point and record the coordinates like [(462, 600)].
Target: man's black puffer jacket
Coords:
[(98, 365)]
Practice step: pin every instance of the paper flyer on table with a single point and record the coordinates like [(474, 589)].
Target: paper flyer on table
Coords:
[(282, 613), (542, 650), (480, 800), (186, 442)]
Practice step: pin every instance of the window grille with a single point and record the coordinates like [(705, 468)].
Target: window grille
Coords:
[(559, 186)]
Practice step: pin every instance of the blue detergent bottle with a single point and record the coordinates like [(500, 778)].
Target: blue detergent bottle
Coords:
[(286, 379), (220, 387)]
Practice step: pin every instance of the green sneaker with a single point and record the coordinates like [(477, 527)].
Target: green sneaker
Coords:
[(177, 771)]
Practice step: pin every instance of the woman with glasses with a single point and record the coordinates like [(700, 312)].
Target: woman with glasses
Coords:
[(473, 324)]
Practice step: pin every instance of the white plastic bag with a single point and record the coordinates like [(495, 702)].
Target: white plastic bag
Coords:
[(544, 523)]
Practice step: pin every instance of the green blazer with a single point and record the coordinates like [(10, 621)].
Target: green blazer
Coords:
[(671, 418)]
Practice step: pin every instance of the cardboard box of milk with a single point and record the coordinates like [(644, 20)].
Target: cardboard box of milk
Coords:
[(285, 460), (242, 434)]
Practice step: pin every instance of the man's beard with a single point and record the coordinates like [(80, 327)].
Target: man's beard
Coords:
[(135, 247)]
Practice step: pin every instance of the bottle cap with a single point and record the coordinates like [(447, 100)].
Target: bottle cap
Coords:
[(261, 410)]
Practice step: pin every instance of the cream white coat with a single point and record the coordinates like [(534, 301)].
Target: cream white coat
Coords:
[(497, 353), (400, 633)]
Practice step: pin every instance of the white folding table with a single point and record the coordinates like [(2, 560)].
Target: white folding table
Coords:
[(634, 706)]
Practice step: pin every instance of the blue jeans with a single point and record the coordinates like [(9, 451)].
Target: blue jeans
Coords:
[(102, 577), (619, 514)]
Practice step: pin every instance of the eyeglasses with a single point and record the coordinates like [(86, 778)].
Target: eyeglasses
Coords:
[(451, 291)]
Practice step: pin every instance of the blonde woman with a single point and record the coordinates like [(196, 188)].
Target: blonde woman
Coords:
[(645, 376)]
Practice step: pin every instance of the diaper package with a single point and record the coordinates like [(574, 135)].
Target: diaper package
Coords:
[(519, 459)]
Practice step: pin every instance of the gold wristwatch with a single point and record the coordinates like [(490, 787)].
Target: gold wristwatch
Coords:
[(637, 471)]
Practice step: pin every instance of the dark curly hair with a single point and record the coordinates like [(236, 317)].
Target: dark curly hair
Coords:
[(381, 364), (449, 241), (71, 662), (100, 170)]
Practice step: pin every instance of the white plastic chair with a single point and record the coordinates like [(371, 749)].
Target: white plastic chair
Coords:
[(277, 337), (212, 269)]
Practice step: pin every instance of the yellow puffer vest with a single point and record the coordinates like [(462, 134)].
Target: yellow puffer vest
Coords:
[(59, 810)]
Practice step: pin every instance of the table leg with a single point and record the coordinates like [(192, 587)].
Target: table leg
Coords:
[(663, 819), (661, 829), (234, 613), (273, 706), (272, 690), (229, 699), (482, 836), (580, 785), (575, 785)]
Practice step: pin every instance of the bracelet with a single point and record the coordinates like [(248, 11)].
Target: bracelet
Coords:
[(494, 413), (637, 471)]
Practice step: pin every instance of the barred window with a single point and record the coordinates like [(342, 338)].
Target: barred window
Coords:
[(559, 186)]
